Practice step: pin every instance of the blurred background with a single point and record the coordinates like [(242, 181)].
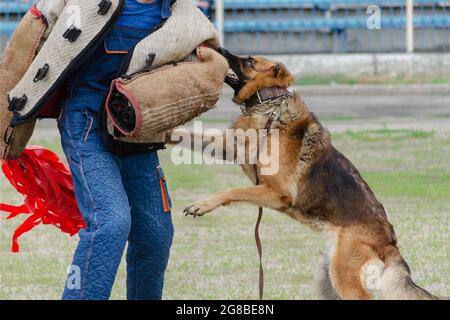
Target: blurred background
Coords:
[(311, 26), (330, 26), (325, 41), (377, 74)]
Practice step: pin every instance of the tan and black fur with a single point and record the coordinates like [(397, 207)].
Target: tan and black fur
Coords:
[(318, 186)]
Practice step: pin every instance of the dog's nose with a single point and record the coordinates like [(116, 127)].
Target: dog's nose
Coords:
[(223, 51)]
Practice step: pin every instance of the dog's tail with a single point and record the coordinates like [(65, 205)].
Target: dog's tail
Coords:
[(396, 282)]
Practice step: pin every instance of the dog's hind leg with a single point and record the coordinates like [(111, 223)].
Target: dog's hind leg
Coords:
[(323, 281), (260, 195), (346, 266)]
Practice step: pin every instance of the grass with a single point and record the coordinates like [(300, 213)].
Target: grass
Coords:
[(305, 80), (385, 134), (214, 257)]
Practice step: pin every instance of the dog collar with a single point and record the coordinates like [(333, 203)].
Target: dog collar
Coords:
[(265, 99)]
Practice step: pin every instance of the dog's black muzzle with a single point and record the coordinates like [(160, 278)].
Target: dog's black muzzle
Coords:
[(238, 80)]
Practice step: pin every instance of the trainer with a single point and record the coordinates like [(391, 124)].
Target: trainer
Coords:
[(77, 48)]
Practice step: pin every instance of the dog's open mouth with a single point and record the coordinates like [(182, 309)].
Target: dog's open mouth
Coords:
[(231, 76), (233, 79)]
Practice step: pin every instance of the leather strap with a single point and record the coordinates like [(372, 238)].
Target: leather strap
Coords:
[(265, 95), (257, 238), (262, 96), (258, 221), (259, 247)]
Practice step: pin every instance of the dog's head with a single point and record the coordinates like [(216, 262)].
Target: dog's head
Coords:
[(250, 74)]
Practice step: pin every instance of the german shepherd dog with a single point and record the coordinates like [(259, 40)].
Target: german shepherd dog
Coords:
[(315, 185)]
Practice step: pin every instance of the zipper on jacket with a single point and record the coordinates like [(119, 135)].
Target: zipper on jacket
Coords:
[(127, 59), (126, 62)]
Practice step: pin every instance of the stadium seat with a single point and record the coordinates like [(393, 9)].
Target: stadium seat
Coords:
[(340, 23), (320, 4)]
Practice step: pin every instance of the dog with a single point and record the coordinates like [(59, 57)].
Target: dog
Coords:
[(315, 185)]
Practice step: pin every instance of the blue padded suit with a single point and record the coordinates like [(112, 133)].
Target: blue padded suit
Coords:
[(121, 198)]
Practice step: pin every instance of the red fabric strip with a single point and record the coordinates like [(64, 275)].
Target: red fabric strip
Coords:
[(47, 185)]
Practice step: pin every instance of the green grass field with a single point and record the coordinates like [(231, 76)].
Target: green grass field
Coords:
[(305, 79), (214, 257)]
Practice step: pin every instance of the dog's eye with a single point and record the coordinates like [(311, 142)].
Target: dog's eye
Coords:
[(248, 63)]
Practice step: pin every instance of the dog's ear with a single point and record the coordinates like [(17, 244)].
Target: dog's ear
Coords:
[(280, 70), (276, 69)]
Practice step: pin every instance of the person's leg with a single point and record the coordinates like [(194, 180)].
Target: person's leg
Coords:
[(103, 203), (151, 227)]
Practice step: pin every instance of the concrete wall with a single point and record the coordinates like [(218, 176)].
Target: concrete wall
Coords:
[(437, 64)]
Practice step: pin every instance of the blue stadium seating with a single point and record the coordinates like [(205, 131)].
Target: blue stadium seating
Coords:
[(20, 7), (14, 7), (321, 4), (337, 23), (272, 23), (7, 27), (11, 11)]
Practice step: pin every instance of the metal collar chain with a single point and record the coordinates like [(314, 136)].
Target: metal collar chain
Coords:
[(269, 106), (272, 108)]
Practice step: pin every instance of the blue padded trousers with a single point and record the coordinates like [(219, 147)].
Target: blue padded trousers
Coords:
[(121, 199)]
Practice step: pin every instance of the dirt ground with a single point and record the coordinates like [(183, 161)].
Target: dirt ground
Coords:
[(348, 108)]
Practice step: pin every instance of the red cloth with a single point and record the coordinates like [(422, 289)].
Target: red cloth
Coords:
[(47, 185)]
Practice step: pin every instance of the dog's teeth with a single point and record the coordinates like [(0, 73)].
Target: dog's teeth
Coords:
[(232, 74)]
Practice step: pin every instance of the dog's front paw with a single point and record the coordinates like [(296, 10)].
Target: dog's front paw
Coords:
[(199, 208)]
